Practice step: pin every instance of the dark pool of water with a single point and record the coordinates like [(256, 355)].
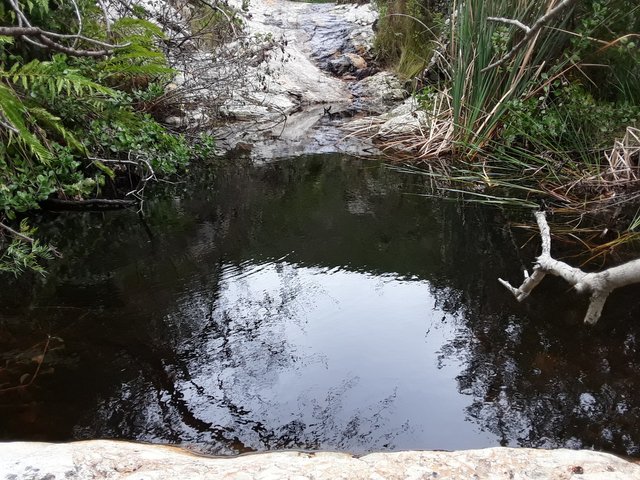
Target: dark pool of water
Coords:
[(312, 303)]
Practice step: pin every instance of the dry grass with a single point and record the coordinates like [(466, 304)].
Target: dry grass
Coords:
[(625, 156)]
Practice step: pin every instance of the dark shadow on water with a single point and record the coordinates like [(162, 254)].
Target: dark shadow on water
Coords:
[(311, 303)]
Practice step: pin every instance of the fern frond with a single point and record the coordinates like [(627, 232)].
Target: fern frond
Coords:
[(53, 80), (136, 29), (53, 123), (42, 6), (15, 112), (136, 53)]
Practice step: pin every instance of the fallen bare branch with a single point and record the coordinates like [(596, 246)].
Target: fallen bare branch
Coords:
[(599, 284)]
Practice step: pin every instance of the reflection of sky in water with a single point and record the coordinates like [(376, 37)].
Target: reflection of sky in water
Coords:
[(184, 333), (326, 358)]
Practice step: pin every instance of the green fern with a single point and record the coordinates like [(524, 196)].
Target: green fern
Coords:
[(42, 6), (141, 58), (52, 78), (20, 255), (14, 112), (137, 31), (54, 124), (56, 111)]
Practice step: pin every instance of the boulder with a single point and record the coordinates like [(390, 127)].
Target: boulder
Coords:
[(347, 63), (340, 65), (379, 92), (356, 61)]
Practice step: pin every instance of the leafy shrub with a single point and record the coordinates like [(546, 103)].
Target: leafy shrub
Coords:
[(60, 111), (139, 136), (569, 117)]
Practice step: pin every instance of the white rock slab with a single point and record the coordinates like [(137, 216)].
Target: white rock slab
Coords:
[(114, 460)]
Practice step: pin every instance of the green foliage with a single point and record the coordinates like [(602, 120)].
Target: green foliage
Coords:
[(58, 112), (140, 62), (21, 255), (567, 117), (612, 70), (53, 78), (481, 98), (567, 94), (23, 186), (541, 124), (139, 136)]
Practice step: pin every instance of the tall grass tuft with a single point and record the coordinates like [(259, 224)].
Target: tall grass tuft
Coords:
[(480, 98)]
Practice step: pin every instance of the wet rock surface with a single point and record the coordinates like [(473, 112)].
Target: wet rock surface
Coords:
[(319, 55), (113, 460)]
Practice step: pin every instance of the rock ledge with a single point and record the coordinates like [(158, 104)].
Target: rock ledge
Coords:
[(105, 459)]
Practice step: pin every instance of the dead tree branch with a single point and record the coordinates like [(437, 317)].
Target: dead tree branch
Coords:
[(529, 31), (40, 361), (51, 40), (26, 238), (599, 284)]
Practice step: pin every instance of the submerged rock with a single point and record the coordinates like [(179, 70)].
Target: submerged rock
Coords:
[(114, 460)]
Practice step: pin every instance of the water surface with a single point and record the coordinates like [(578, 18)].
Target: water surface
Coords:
[(315, 303)]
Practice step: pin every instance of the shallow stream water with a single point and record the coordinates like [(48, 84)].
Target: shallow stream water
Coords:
[(317, 302)]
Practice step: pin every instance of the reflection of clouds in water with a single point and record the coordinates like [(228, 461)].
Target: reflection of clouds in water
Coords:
[(357, 428), (282, 356)]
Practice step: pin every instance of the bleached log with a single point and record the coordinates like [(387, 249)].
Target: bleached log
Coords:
[(599, 284)]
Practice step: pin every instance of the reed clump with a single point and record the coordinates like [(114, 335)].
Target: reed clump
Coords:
[(538, 101)]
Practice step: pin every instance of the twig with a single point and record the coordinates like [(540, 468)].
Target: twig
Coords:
[(510, 21), (35, 374), (91, 202), (530, 31), (79, 17), (15, 233), (217, 8), (46, 41), (107, 20)]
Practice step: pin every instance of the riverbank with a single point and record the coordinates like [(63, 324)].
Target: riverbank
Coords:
[(113, 460), (548, 117)]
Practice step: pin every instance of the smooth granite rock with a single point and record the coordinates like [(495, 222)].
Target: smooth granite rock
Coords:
[(115, 460)]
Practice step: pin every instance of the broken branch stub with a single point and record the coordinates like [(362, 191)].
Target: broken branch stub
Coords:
[(598, 284)]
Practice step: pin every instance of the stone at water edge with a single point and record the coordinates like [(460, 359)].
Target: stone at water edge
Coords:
[(356, 61), (115, 460)]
